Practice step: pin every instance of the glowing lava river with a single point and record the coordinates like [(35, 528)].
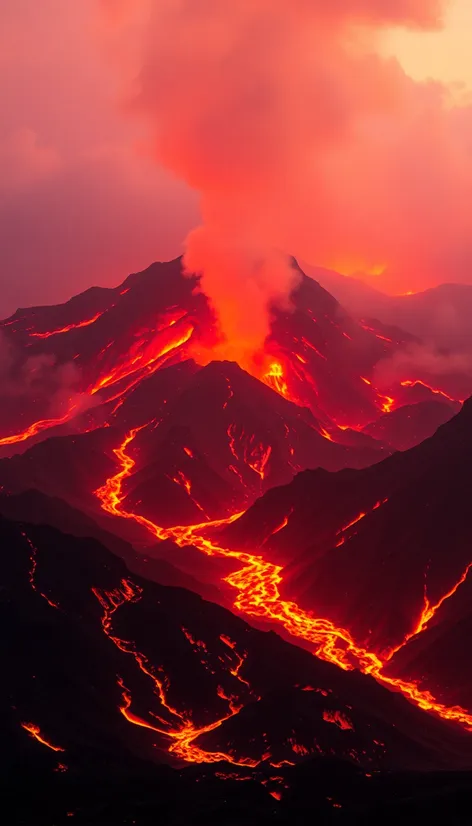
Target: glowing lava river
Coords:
[(257, 586)]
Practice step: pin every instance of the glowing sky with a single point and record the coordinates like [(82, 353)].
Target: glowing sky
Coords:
[(82, 199), (444, 54)]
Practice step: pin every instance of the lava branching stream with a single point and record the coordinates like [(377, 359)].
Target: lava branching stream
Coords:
[(35, 732), (142, 360), (257, 585), (177, 725)]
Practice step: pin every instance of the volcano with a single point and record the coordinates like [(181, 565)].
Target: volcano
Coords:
[(235, 570)]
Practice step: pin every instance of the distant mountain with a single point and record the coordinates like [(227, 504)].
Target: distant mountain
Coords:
[(412, 424), (440, 315), (355, 295)]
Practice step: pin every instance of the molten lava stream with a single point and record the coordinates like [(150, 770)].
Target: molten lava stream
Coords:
[(428, 612), (38, 427), (179, 729), (35, 732), (69, 327), (135, 368), (143, 359), (436, 391), (258, 595)]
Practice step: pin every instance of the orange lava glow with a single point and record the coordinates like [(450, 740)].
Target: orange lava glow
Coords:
[(235, 671), (279, 527), (32, 571), (39, 427), (375, 333), (339, 719), (35, 732), (77, 326), (179, 728), (435, 390), (143, 358), (429, 612), (361, 516), (257, 456), (184, 482), (275, 378), (257, 585), (386, 403), (141, 362)]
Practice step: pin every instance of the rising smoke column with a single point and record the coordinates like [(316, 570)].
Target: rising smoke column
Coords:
[(298, 136)]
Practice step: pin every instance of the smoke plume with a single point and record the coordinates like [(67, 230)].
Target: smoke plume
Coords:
[(298, 136)]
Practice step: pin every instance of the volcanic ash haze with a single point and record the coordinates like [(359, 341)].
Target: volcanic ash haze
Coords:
[(299, 136)]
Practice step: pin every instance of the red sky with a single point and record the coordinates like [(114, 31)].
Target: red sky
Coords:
[(285, 123)]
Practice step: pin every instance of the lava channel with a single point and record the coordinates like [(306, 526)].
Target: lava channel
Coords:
[(257, 585)]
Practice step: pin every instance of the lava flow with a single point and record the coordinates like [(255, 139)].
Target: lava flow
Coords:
[(32, 571), (429, 611), (35, 732), (145, 358), (258, 595), (141, 362), (436, 391), (69, 327), (38, 427), (361, 516), (179, 728), (275, 378)]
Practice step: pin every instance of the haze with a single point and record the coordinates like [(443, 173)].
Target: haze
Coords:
[(373, 176)]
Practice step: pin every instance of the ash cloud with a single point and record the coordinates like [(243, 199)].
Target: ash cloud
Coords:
[(279, 116), (297, 135)]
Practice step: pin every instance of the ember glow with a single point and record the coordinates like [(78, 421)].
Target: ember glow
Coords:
[(32, 571), (361, 516), (35, 732), (39, 427), (435, 390), (429, 611), (68, 327), (275, 378), (142, 357), (175, 726)]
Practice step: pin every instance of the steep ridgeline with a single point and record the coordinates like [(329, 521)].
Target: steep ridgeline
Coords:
[(384, 553)]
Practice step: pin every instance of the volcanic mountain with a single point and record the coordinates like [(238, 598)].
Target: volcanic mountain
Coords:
[(73, 365), (132, 464)]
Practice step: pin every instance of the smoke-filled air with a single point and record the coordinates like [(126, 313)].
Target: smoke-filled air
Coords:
[(300, 138)]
